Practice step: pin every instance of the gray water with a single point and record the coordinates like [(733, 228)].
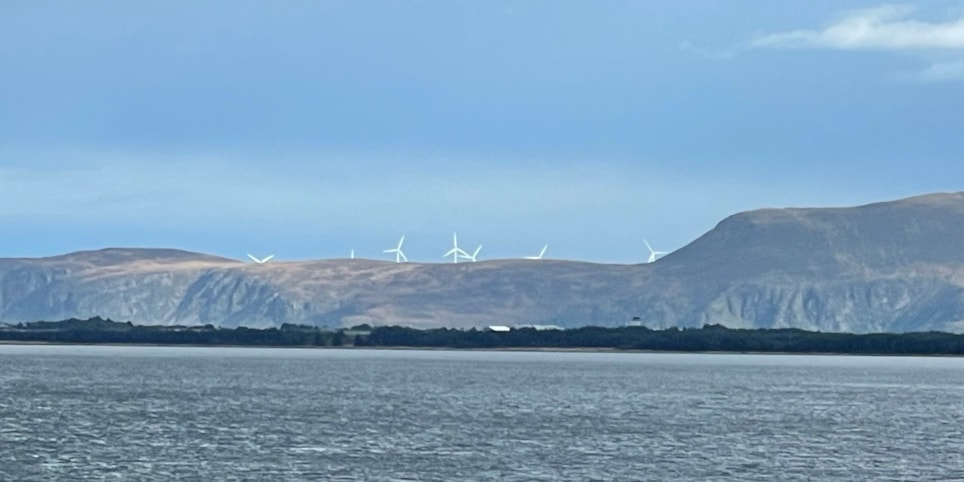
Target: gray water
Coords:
[(161, 413)]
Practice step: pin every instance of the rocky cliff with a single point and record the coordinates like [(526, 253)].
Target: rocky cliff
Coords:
[(895, 266)]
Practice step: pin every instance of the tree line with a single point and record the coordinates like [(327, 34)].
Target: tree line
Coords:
[(98, 330), (707, 338)]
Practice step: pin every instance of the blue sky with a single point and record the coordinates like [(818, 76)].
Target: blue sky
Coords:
[(306, 129)]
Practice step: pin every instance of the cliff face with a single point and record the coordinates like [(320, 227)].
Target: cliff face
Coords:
[(893, 266), (130, 284), (896, 266)]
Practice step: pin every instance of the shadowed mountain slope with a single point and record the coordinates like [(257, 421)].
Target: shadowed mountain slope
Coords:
[(895, 266)]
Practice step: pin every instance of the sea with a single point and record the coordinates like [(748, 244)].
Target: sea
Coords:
[(89, 413)]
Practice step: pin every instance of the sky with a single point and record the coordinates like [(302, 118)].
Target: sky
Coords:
[(307, 129)]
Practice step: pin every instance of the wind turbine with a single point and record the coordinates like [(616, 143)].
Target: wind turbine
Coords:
[(262, 260), (473, 257), (541, 253), (352, 254), (652, 253), (399, 255), (456, 252)]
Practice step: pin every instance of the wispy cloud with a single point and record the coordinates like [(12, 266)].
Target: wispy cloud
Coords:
[(121, 188), (230, 203), (887, 27), (177, 191), (711, 54), (943, 71)]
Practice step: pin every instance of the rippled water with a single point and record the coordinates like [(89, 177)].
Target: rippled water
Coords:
[(158, 413)]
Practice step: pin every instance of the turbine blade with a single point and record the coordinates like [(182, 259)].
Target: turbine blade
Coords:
[(265, 260), (256, 260)]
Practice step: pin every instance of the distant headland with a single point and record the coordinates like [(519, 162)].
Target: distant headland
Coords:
[(889, 267)]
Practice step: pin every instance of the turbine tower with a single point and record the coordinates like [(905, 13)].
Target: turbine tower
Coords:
[(474, 256), (653, 255), (456, 252), (399, 255), (261, 260), (541, 253)]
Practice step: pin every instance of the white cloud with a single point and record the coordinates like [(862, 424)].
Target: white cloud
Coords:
[(886, 27)]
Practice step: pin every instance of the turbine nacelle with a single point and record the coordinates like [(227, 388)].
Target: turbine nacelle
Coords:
[(541, 253), (399, 255), (260, 260), (456, 252), (474, 256), (653, 254)]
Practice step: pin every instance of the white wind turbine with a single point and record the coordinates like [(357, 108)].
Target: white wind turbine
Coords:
[(541, 253), (399, 255), (456, 252), (653, 254), (261, 260), (474, 256)]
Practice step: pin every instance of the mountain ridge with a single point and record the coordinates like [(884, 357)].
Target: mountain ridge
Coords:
[(887, 266)]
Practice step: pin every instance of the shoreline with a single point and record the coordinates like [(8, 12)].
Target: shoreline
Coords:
[(501, 349), (710, 339)]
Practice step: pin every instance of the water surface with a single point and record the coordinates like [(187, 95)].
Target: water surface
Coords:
[(163, 413)]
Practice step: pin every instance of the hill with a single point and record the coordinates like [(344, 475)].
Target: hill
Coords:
[(894, 266)]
